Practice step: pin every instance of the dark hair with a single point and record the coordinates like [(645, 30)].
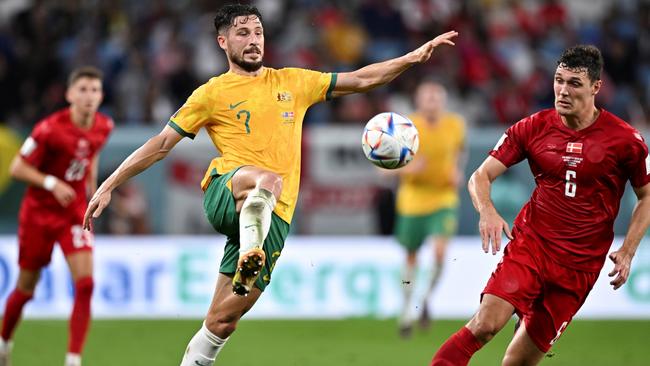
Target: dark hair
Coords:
[(85, 72), (581, 57), (225, 17)]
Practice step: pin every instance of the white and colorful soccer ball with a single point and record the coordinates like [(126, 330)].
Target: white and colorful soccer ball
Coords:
[(390, 140)]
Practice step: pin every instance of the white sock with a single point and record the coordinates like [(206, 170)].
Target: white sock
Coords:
[(203, 348), (72, 359), (433, 282), (5, 347), (255, 219), (408, 285)]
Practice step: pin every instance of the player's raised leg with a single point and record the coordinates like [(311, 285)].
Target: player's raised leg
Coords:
[(225, 311), (81, 269), (256, 192), (24, 291), (226, 195), (492, 316)]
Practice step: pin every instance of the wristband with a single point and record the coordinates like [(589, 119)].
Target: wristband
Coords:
[(49, 182)]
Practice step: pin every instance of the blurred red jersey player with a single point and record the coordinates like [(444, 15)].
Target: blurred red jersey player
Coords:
[(59, 163)]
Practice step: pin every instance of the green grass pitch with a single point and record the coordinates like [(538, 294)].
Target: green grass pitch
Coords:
[(358, 342)]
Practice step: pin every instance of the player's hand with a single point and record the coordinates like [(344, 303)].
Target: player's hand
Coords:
[(97, 204), (622, 263), (490, 225), (423, 53), (63, 193)]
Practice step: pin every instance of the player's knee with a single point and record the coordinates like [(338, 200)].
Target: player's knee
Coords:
[(272, 182), (222, 325), (484, 330), (411, 258), (84, 287), (27, 283), (26, 287)]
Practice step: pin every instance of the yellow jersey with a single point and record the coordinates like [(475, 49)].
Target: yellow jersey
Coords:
[(256, 120), (431, 188)]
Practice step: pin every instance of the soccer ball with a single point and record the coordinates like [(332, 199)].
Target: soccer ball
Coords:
[(390, 140)]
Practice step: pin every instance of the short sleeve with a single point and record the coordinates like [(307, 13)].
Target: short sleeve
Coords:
[(315, 86), (638, 163), (34, 148), (511, 147), (193, 115)]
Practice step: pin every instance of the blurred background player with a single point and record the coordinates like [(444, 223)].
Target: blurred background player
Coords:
[(254, 116), (581, 157), (427, 197), (59, 163)]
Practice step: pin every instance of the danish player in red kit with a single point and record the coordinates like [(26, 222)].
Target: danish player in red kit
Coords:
[(581, 157), (58, 161)]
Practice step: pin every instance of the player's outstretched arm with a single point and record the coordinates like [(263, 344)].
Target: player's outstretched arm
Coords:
[(491, 224), (639, 224), (155, 149), (25, 172), (374, 75)]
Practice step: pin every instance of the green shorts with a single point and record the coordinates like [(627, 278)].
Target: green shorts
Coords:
[(411, 231), (219, 206)]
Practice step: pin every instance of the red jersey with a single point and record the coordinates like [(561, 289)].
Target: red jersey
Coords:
[(59, 148), (580, 178)]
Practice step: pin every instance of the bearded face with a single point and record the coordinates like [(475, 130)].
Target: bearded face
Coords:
[(244, 43), (249, 59)]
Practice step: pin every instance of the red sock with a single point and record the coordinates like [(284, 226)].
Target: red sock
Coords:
[(13, 310), (457, 350), (80, 318)]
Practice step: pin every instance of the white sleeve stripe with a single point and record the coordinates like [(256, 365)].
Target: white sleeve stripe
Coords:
[(647, 164), (500, 142), (28, 147)]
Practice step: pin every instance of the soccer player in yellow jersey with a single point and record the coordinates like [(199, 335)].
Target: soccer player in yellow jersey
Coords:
[(427, 197), (253, 114)]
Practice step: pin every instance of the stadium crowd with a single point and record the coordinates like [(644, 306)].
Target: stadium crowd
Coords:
[(154, 53)]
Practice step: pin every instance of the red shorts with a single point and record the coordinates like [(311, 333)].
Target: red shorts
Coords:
[(545, 294), (37, 235)]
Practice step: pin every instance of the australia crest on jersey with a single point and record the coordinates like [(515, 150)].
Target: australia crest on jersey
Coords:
[(284, 96)]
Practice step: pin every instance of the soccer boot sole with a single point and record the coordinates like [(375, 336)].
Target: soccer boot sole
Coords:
[(249, 267)]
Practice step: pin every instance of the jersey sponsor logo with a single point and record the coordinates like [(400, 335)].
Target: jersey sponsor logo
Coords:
[(233, 106), (500, 142), (284, 96), (574, 147), (28, 147)]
